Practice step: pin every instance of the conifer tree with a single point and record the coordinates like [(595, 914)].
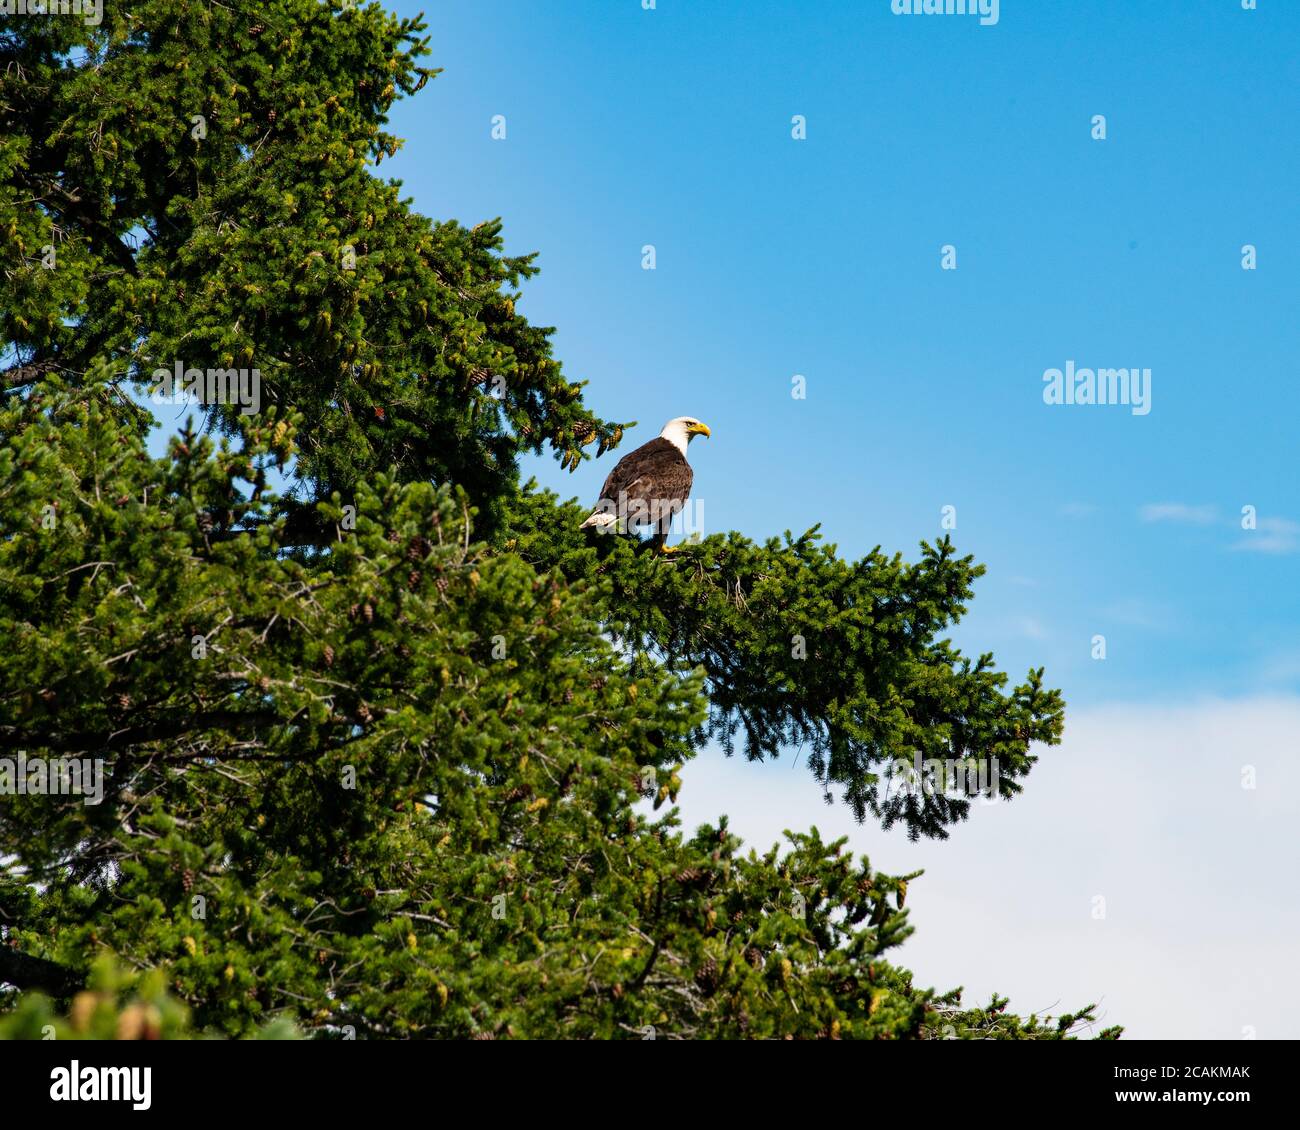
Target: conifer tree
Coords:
[(392, 751)]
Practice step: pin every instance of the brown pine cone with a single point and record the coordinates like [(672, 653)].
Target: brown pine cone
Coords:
[(707, 977)]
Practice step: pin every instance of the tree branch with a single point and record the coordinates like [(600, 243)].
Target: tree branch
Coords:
[(16, 738), (28, 972)]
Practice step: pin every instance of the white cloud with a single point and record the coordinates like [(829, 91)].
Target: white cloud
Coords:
[(1274, 535), (1137, 613), (1032, 628), (1178, 512), (1279, 667), (1078, 509), (1142, 805)]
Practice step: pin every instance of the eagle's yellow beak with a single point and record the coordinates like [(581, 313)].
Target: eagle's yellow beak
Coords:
[(699, 430)]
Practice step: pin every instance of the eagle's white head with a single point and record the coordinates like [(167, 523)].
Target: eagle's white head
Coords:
[(681, 431)]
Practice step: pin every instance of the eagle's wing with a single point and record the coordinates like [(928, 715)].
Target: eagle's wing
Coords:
[(654, 479)]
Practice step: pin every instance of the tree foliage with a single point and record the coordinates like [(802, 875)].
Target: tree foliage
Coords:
[(389, 746)]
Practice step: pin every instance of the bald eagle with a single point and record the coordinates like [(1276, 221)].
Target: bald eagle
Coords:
[(649, 485)]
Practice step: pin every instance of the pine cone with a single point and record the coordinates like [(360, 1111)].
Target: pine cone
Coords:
[(707, 977)]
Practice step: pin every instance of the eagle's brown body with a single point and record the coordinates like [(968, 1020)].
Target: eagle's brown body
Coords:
[(649, 485)]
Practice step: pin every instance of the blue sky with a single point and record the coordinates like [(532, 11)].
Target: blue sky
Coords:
[(821, 257)]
